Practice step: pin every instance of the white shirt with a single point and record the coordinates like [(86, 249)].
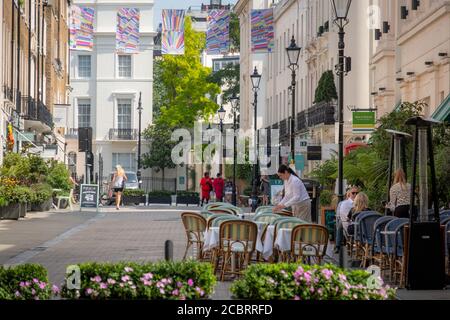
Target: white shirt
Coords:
[(343, 209), (294, 192)]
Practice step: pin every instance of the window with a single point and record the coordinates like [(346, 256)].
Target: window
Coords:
[(124, 66), (72, 162), (126, 160), (84, 113), (84, 66), (124, 113)]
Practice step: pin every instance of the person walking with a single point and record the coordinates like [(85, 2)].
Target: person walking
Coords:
[(399, 195), (206, 186), (119, 179), (265, 188), (219, 185), (295, 194)]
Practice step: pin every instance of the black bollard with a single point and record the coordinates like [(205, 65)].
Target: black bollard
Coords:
[(168, 250)]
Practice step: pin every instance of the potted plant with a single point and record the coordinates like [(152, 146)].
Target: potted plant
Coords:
[(11, 210), (187, 198), (160, 197), (133, 196), (42, 197), (21, 195)]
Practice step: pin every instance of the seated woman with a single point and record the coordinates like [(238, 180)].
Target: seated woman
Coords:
[(360, 204)]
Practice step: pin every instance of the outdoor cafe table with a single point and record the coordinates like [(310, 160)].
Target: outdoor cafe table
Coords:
[(283, 241)]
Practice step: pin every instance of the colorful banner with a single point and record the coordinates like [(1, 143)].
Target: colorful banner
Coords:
[(363, 122), (262, 31), (218, 33), (81, 28), (127, 33), (172, 36)]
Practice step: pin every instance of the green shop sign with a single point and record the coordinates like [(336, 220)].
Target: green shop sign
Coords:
[(363, 121)]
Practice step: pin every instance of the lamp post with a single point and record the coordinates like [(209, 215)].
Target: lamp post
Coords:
[(256, 79), (340, 12), (221, 112), (139, 140), (293, 52), (235, 107)]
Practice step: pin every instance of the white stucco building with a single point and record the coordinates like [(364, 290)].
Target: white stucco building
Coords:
[(106, 88)]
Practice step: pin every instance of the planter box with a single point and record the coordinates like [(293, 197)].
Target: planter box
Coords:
[(134, 200), (28, 206), (22, 209), (45, 206), (160, 199), (10, 212), (187, 200)]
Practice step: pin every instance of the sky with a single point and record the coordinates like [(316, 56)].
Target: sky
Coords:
[(179, 4)]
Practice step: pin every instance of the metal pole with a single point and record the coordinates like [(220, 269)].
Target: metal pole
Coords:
[(139, 140), (341, 47), (293, 117), (391, 166), (221, 153), (255, 173), (233, 197)]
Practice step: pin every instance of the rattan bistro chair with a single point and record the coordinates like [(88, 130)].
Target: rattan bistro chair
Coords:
[(195, 226), (309, 241), (379, 255), (237, 237)]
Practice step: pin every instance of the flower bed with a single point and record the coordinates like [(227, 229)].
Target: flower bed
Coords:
[(25, 282), (303, 282), (163, 280)]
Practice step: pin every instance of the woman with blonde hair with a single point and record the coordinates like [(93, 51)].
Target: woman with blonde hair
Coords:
[(119, 183), (360, 204), (399, 195)]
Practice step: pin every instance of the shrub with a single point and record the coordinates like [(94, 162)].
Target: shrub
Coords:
[(133, 192), (187, 194), (25, 282), (128, 280), (59, 177), (159, 194), (41, 193), (326, 198), (303, 282), (15, 194)]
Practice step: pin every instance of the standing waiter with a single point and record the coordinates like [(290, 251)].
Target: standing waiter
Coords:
[(295, 194)]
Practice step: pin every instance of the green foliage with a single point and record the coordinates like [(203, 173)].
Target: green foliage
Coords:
[(59, 176), (285, 281), (326, 197), (26, 169), (235, 32), (326, 173), (160, 194), (25, 282), (187, 91), (41, 193), (159, 89), (188, 194), (326, 89), (127, 280), (133, 192), (228, 78), (159, 156)]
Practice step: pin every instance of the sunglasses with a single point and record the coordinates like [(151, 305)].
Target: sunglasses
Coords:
[(355, 192)]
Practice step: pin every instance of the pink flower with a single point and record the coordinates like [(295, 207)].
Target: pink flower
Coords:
[(133, 287), (190, 282), (162, 291), (125, 278), (311, 289), (55, 289), (175, 292), (296, 298), (35, 280), (33, 292), (17, 294), (103, 285), (42, 285), (22, 284), (27, 284), (128, 269), (148, 276), (320, 291), (111, 281), (89, 291), (307, 276), (36, 298), (345, 292), (179, 284), (342, 277), (327, 273)]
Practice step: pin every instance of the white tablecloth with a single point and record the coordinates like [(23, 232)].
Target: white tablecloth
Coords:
[(283, 241), (212, 237)]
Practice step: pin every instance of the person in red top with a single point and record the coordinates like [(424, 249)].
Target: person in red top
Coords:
[(218, 185), (206, 186)]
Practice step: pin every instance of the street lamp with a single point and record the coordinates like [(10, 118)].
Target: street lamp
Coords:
[(256, 79), (293, 52), (221, 112), (340, 12), (139, 140), (235, 108)]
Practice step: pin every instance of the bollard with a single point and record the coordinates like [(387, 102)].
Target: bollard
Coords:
[(168, 250)]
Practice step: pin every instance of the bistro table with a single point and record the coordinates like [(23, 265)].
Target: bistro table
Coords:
[(282, 241)]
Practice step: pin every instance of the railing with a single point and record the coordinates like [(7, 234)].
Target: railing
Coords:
[(284, 128), (71, 133), (301, 121), (123, 134), (9, 93), (36, 111), (44, 115), (321, 113)]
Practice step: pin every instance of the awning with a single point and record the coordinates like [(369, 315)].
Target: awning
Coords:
[(442, 112)]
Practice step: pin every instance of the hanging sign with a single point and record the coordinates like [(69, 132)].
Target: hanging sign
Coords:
[(363, 122)]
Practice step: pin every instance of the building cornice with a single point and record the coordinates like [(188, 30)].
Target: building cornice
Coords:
[(281, 8), (240, 6)]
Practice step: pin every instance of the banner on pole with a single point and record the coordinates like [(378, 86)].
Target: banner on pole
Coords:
[(172, 36), (218, 34), (127, 33), (81, 28), (363, 122), (262, 38)]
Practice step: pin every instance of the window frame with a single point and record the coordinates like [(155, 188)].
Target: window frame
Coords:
[(79, 76), (118, 70)]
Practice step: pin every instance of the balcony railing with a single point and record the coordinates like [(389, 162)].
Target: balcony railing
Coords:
[(301, 121), (284, 128), (123, 134), (71, 133), (36, 111), (9, 93), (321, 113)]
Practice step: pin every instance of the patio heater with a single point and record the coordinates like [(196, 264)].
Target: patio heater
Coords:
[(425, 257), (397, 157)]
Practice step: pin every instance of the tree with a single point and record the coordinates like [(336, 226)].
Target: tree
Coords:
[(187, 92), (159, 90), (326, 89), (159, 156), (228, 79), (235, 32)]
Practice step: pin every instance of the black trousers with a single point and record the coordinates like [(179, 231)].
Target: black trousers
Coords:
[(402, 211)]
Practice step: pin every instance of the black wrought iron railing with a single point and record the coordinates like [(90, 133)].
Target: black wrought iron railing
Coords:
[(8, 93), (123, 134), (302, 124), (31, 110), (321, 113), (284, 128), (44, 115)]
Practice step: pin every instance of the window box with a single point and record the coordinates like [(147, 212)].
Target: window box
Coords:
[(45, 206), (188, 199), (160, 199)]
